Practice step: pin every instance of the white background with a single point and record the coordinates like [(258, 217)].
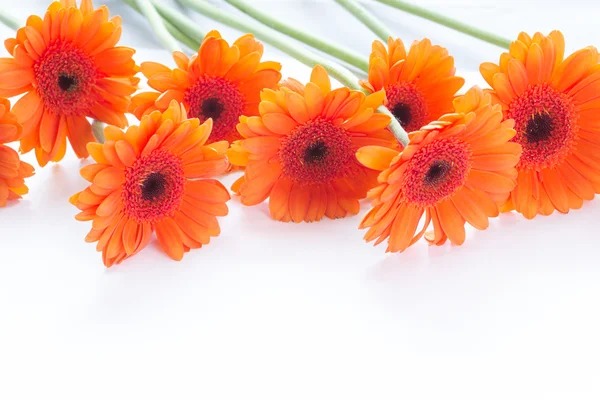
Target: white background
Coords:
[(283, 311)]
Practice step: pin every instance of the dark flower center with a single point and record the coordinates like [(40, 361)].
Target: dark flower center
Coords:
[(211, 108), (402, 113), (153, 186), (219, 99), (539, 128), (65, 79), (407, 104), (315, 152), (546, 122), (437, 172), (66, 82)]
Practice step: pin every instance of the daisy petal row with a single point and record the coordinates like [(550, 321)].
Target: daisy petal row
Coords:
[(529, 143)]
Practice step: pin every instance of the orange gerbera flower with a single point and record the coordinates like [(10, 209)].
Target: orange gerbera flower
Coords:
[(69, 69), (221, 82), (13, 171), (420, 85), (555, 103), (144, 182), (300, 151), (454, 170)]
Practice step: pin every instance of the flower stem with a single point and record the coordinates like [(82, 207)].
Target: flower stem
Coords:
[(98, 131), (9, 20), (159, 28), (182, 22), (370, 21), (449, 22), (173, 30), (284, 44), (341, 53), (397, 129), (183, 38), (274, 39)]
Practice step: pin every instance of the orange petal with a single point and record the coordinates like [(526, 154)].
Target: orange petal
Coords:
[(320, 77), (490, 182), (404, 228), (555, 189), (315, 100), (110, 178), (208, 190), (375, 157), (280, 124), (451, 222), (125, 152), (89, 172), (170, 238), (80, 134), (299, 202), (49, 131), (469, 209)]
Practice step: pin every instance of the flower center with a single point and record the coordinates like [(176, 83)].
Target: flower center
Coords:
[(436, 171), (66, 82), (65, 77), (316, 153), (539, 128), (211, 108), (402, 113), (153, 187), (546, 125), (219, 99), (408, 105)]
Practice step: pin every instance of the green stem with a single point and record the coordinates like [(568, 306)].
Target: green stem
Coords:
[(176, 18), (273, 38), (9, 20), (346, 55), (159, 28), (399, 133), (449, 22), (192, 44), (282, 43), (370, 21), (98, 131), (173, 30)]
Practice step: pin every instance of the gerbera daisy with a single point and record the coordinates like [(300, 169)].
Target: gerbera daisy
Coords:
[(68, 67), (453, 171), (419, 86), (144, 181), (300, 151), (13, 171), (555, 103), (221, 82)]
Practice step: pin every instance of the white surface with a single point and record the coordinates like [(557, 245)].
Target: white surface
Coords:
[(284, 312)]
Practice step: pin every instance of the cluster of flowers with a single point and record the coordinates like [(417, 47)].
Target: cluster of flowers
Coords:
[(530, 142)]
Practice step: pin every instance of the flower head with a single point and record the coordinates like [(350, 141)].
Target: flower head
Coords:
[(68, 68), (146, 180), (13, 171), (300, 151), (454, 170), (555, 105), (420, 85), (221, 82)]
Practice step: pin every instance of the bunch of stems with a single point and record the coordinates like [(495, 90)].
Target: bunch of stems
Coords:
[(269, 36), (167, 21)]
